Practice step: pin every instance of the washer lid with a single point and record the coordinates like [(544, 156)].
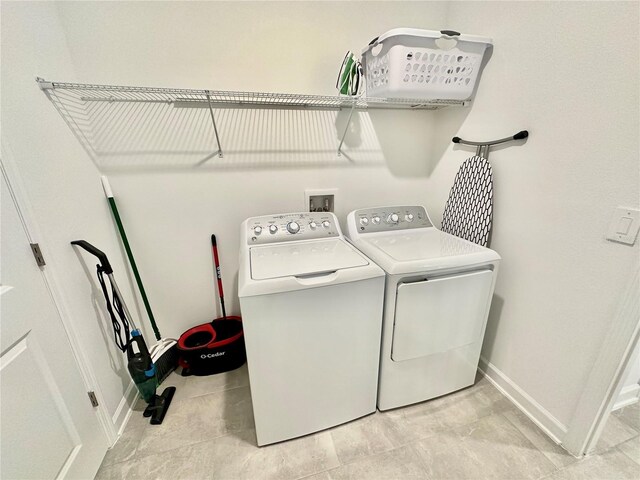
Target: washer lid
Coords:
[(426, 248), (303, 258)]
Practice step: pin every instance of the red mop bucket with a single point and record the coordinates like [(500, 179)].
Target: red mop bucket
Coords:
[(225, 351), (213, 347)]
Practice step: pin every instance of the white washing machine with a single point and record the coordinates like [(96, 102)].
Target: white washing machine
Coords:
[(312, 313), (437, 298)]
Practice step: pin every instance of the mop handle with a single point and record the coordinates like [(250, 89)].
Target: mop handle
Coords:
[(214, 246), (125, 241)]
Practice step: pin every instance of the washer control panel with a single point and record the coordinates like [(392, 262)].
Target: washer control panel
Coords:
[(383, 219), (291, 226)]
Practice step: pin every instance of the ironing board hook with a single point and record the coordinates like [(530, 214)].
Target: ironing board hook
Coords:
[(483, 147)]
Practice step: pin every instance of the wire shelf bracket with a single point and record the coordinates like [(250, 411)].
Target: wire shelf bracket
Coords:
[(215, 128), (346, 129)]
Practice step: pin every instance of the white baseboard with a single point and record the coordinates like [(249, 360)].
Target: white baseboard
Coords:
[(628, 396), (527, 404), (123, 412)]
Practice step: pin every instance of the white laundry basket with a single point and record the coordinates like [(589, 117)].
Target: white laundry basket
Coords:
[(423, 64)]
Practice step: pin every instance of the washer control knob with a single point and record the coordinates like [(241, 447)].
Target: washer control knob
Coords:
[(409, 217), (326, 224), (364, 221), (293, 227), (313, 225), (273, 229), (393, 218), (376, 220), (257, 230)]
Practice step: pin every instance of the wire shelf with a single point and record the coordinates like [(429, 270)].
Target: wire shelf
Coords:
[(182, 97), (85, 107)]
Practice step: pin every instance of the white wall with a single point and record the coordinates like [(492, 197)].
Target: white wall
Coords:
[(567, 72), (171, 203), (63, 186)]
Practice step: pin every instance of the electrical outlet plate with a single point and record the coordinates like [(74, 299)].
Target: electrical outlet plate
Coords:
[(320, 200), (624, 225)]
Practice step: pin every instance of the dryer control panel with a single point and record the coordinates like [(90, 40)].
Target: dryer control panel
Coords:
[(289, 227), (383, 219)]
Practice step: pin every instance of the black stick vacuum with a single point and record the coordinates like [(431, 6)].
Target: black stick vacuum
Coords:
[(131, 341)]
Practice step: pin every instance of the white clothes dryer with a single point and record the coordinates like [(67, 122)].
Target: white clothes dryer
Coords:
[(437, 298), (312, 313)]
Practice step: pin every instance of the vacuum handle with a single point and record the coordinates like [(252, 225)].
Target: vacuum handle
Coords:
[(104, 261), (216, 260)]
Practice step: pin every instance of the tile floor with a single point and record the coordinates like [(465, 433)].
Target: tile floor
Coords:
[(472, 434)]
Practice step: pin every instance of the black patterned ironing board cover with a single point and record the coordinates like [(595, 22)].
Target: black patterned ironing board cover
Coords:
[(469, 209)]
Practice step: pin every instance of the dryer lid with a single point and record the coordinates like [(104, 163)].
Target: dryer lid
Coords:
[(424, 244), (422, 249), (303, 258)]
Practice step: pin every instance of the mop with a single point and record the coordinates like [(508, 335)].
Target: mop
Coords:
[(164, 353)]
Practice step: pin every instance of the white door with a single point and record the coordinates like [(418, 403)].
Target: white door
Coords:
[(48, 427), (440, 314)]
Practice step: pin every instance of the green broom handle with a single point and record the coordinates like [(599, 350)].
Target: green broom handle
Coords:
[(134, 267)]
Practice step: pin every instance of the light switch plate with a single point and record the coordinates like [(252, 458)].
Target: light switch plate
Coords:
[(624, 225)]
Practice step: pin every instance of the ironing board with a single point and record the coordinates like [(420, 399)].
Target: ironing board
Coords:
[(469, 208)]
